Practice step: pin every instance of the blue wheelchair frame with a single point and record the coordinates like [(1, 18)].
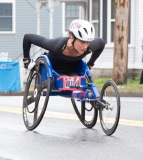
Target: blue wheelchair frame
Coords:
[(47, 82), (83, 92)]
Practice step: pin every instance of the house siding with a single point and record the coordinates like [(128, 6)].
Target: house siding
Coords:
[(57, 21), (134, 48), (26, 22)]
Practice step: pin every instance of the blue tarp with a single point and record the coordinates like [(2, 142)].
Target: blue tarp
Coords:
[(9, 77)]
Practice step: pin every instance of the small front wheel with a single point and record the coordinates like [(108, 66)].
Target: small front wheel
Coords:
[(110, 114)]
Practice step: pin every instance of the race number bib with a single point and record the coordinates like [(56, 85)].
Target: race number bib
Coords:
[(65, 82), (71, 81)]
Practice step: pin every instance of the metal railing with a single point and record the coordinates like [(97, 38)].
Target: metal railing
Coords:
[(33, 55)]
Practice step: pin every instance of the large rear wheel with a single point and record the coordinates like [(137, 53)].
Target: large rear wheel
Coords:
[(36, 94), (86, 111)]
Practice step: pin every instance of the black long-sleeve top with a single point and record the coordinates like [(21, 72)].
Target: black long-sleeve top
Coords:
[(60, 62)]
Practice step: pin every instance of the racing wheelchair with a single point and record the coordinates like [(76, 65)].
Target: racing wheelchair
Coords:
[(43, 81)]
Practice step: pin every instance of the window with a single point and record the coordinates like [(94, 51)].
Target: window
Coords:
[(112, 21), (102, 15), (7, 16), (104, 21), (112, 18), (70, 12), (95, 16)]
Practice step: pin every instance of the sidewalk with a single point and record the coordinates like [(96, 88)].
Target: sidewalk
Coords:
[(122, 94)]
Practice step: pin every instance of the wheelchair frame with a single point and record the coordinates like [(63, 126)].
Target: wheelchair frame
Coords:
[(49, 83)]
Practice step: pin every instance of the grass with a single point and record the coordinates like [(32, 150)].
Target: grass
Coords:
[(131, 86)]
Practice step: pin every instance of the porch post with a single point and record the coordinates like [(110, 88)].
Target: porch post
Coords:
[(38, 22), (51, 23), (51, 5), (38, 10)]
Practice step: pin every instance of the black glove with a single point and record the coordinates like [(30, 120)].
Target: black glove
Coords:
[(89, 65), (26, 62)]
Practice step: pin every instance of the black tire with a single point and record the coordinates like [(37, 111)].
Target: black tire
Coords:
[(34, 104), (86, 112), (109, 116)]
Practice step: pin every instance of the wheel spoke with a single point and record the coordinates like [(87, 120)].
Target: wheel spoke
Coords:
[(44, 84), (34, 106), (86, 112), (30, 100), (36, 114), (83, 111)]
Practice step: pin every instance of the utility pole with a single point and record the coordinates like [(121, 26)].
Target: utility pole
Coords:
[(121, 41)]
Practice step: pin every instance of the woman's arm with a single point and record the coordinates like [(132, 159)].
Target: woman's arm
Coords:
[(96, 46), (53, 45)]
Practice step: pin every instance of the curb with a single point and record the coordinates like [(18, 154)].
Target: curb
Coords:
[(131, 94), (122, 94), (21, 93)]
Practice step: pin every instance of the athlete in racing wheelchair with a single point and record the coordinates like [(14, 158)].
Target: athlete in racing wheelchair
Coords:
[(62, 72)]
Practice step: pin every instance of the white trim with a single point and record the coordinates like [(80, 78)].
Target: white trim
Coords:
[(91, 20), (101, 19), (109, 22), (13, 17), (80, 12), (90, 16), (63, 19), (90, 10), (132, 23), (111, 45)]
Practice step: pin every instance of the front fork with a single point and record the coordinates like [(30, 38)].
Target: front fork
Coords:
[(87, 92)]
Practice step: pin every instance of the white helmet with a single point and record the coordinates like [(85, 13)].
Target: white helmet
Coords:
[(82, 30)]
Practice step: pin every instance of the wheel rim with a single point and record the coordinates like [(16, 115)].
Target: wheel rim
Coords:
[(109, 116), (34, 105), (85, 112)]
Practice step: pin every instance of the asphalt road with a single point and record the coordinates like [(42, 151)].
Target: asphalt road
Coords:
[(61, 136)]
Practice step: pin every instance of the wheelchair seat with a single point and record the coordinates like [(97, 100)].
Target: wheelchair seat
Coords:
[(62, 82)]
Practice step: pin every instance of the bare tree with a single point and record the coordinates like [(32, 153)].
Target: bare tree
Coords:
[(121, 41)]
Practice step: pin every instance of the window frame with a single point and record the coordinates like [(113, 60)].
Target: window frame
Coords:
[(99, 17), (13, 17), (109, 20), (64, 31)]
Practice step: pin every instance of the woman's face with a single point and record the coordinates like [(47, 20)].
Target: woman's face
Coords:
[(81, 46)]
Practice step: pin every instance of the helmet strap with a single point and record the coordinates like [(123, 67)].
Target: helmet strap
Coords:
[(73, 43)]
